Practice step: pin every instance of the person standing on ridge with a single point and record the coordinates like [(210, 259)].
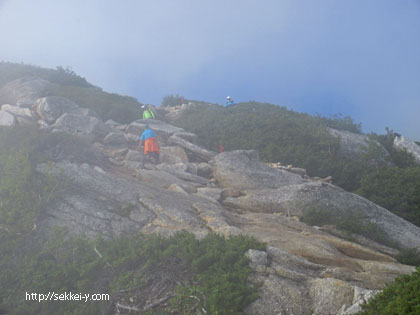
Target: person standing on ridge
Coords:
[(229, 101), (148, 113), (151, 146)]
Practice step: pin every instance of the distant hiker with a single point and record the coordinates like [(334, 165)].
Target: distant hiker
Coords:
[(229, 101), (220, 148), (148, 113), (182, 101), (151, 146)]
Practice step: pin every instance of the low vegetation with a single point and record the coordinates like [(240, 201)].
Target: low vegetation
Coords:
[(401, 297), (212, 274)]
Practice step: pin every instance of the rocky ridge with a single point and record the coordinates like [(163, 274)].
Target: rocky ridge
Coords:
[(305, 269)]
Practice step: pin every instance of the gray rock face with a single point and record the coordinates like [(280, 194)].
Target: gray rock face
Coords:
[(51, 107), (409, 145), (161, 128), (25, 90), (361, 296), (200, 152), (105, 205), (330, 294), (241, 169), (257, 258), (18, 111), (113, 205), (7, 119), (179, 170), (214, 193), (296, 199), (353, 144), (173, 155), (114, 138), (81, 125)]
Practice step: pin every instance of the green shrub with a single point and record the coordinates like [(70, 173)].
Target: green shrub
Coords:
[(396, 189), (409, 256), (122, 109), (340, 122), (213, 269), (401, 297), (11, 71), (172, 100)]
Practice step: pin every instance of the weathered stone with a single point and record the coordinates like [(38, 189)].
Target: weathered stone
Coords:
[(112, 123), (329, 295), (51, 107), (114, 138), (281, 297), (164, 180), (18, 111), (212, 214), (120, 152), (231, 192), (161, 128), (241, 169), (409, 145), (188, 136), (25, 121), (214, 193), (361, 296), (81, 125), (257, 258), (172, 155), (204, 170), (25, 90), (177, 188), (297, 199), (179, 170), (298, 170), (198, 151), (98, 207), (7, 119), (353, 144)]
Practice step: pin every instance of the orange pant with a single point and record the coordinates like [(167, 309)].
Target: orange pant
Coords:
[(151, 145)]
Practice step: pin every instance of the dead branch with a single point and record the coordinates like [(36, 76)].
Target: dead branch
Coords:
[(152, 305), (128, 308)]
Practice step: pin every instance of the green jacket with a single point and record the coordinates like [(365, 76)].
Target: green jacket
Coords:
[(148, 114)]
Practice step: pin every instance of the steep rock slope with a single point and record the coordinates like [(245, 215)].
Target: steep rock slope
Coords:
[(304, 269)]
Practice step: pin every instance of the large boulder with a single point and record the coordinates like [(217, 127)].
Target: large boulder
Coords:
[(81, 125), (110, 205), (353, 144), (17, 111), (161, 128), (329, 295), (115, 139), (241, 169), (7, 119), (173, 155), (403, 143), (25, 91), (51, 107), (297, 199), (196, 152), (180, 170)]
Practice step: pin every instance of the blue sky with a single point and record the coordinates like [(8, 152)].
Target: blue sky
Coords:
[(359, 58)]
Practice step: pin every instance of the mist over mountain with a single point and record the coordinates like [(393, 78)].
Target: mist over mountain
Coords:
[(299, 214)]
